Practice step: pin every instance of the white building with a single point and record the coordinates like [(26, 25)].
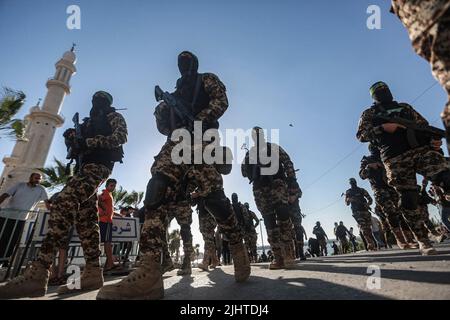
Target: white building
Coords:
[(31, 152)]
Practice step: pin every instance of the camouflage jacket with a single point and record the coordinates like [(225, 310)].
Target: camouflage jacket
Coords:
[(419, 16), (218, 104), (286, 167), (116, 139)]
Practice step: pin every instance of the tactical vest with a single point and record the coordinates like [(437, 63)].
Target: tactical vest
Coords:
[(360, 204), (254, 171), (200, 100), (100, 126)]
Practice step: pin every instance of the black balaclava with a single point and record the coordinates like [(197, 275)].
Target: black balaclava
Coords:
[(234, 198), (352, 182), (381, 93), (188, 66), (101, 104)]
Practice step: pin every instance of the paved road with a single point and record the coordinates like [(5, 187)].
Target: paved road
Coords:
[(404, 275)]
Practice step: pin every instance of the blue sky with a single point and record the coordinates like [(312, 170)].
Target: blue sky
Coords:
[(283, 62)]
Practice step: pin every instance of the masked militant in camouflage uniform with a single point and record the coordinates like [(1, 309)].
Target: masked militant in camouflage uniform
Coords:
[(360, 201), (428, 25), (386, 198), (246, 225), (100, 144), (408, 146), (322, 238), (296, 216), (271, 195), (251, 222), (198, 98)]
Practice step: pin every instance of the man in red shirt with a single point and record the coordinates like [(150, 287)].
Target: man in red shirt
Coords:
[(105, 214)]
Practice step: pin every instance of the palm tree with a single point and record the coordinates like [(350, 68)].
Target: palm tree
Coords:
[(134, 198), (56, 176), (174, 243), (10, 103), (120, 196)]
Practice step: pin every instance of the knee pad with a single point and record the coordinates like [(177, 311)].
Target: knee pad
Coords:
[(218, 205), (442, 179), (156, 191), (409, 199)]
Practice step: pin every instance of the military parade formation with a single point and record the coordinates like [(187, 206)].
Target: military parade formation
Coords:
[(401, 145)]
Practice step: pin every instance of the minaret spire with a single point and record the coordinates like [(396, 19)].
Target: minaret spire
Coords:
[(31, 152)]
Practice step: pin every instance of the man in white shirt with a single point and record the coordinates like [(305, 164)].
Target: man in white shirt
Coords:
[(23, 197)]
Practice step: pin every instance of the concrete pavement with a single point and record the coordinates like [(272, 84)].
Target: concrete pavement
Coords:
[(403, 275)]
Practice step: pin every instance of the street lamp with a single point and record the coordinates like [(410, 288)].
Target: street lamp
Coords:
[(262, 238)]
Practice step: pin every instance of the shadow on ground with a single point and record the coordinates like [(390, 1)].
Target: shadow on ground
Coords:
[(220, 285)]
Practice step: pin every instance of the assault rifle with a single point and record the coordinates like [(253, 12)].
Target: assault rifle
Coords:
[(412, 127), (177, 107)]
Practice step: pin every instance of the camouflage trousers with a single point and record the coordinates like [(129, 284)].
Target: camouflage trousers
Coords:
[(202, 178), (180, 211), (425, 219), (387, 200), (295, 215), (401, 172), (428, 25), (344, 244), (323, 246), (364, 221), (250, 239), (154, 232), (272, 202), (76, 205), (207, 225)]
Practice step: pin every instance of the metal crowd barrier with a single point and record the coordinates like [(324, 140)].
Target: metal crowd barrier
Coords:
[(22, 233)]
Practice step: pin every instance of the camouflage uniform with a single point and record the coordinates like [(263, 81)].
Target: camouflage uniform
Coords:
[(386, 199), (271, 198), (207, 225), (77, 202), (401, 169), (182, 212), (360, 209), (424, 201), (296, 217), (205, 177), (250, 234), (322, 237), (428, 25)]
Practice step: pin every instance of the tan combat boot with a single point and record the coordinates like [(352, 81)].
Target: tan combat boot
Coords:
[(91, 279), (145, 283), (401, 243), (289, 256), (204, 265), (409, 237), (278, 262), (214, 261), (427, 250), (186, 268), (33, 283), (240, 261)]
